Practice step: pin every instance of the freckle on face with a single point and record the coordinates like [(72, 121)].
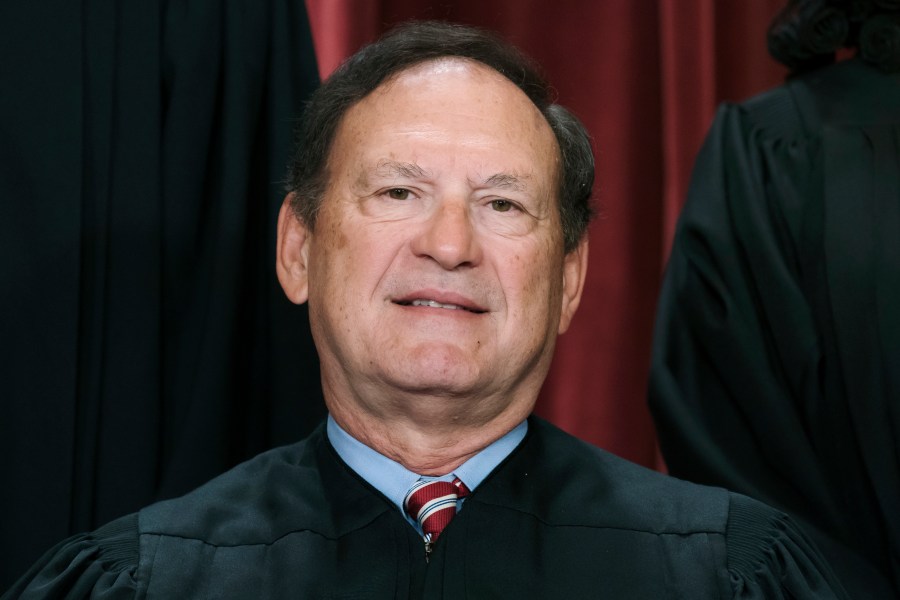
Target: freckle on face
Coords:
[(337, 234)]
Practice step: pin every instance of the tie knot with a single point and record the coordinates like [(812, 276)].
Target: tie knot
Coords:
[(433, 504)]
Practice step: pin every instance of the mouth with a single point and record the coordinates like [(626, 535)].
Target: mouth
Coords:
[(426, 302)]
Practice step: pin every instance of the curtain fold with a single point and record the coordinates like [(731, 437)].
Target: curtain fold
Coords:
[(146, 346)]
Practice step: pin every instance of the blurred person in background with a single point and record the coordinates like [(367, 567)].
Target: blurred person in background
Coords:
[(776, 362)]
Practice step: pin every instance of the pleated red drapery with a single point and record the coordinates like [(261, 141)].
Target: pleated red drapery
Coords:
[(645, 76)]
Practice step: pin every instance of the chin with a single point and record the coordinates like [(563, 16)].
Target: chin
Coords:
[(436, 372)]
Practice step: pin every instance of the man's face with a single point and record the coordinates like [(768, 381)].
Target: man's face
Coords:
[(436, 266)]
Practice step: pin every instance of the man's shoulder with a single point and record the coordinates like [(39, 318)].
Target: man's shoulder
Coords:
[(609, 491), (571, 490), (255, 502)]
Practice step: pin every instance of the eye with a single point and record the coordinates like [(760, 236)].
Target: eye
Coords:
[(398, 194), (502, 205)]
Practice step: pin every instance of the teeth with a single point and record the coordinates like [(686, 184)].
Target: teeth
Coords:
[(433, 304)]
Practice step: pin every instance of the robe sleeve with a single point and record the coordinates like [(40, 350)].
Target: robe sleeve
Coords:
[(100, 564), (769, 558)]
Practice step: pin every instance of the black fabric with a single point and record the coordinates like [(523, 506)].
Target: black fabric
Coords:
[(777, 345), (144, 343), (558, 519)]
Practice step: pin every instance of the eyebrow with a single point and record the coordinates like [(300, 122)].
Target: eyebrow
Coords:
[(507, 181), (394, 168)]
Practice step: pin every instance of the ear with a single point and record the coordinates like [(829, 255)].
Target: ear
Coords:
[(292, 253), (574, 273)]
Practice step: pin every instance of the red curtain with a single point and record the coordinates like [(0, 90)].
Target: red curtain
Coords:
[(645, 76)]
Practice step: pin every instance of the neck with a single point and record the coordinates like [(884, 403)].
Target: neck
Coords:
[(425, 445)]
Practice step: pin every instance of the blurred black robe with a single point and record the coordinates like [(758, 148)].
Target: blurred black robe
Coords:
[(557, 519), (776, 366), (144, 343)]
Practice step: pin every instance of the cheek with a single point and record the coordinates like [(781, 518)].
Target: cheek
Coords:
[(353, 260), (538, 284), (525, 277)]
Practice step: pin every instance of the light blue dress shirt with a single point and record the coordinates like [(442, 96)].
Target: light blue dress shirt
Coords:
[(393, 480)]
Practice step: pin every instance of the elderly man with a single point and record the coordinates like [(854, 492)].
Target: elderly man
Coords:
[(436, 227)]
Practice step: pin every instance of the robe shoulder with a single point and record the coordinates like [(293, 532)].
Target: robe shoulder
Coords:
[(763, 551), (100, 564), (227, 510)]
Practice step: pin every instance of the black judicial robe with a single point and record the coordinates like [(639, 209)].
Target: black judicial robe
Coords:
[(558, 519), (776, 365)]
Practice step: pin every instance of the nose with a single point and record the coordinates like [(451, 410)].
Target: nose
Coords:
[(448, 236)]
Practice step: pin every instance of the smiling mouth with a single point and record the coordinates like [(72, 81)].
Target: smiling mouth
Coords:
[(436, 304)]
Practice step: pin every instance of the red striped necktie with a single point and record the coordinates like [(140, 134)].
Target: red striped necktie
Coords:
[(433, 504)]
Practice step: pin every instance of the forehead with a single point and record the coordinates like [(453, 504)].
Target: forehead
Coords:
[(451, 100)]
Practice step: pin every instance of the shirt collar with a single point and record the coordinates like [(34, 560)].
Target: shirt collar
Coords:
[(393, 479)]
